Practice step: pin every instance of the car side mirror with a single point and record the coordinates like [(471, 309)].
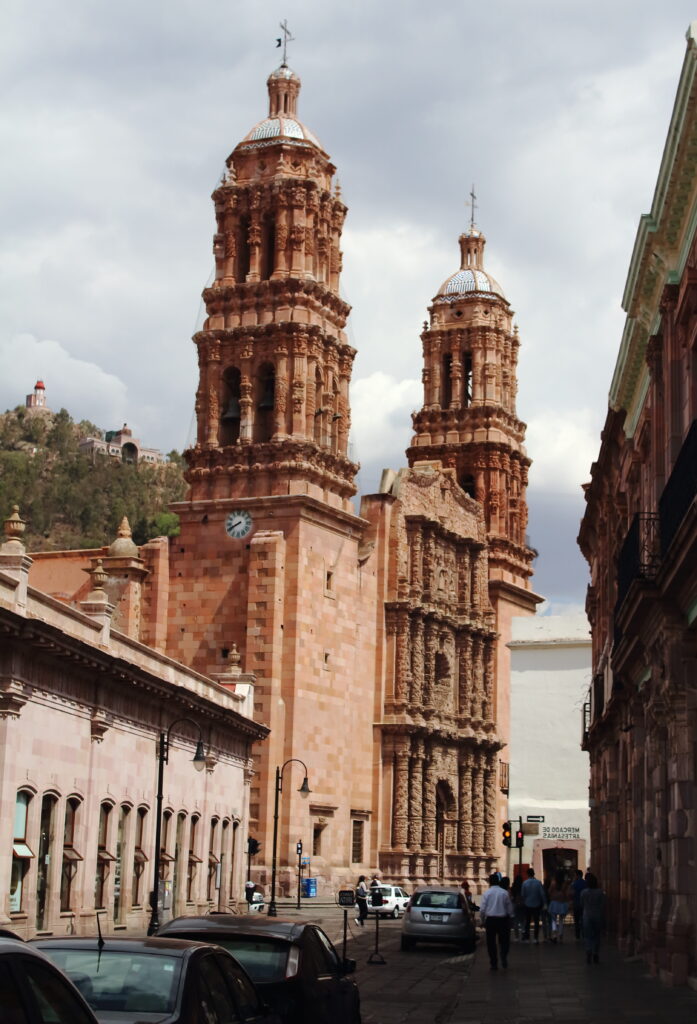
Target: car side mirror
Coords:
[(348, 966)]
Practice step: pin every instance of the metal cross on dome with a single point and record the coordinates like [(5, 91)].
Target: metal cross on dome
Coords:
[(287, 38), (473, 207)]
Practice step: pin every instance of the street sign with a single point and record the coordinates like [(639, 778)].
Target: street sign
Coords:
[(305, 861), (535, 817)]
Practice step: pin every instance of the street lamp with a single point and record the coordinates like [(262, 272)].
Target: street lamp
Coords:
[(199, 760), (304, 791)]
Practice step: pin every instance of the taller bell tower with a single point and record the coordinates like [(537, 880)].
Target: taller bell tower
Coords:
[(265, 576), (272, 405)]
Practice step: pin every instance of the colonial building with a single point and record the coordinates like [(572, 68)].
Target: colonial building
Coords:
[(639, 534), (82, 706), (120, 445), (377, 640)]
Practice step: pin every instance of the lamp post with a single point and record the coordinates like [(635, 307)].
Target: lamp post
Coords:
[(305, 790), (199, 760)]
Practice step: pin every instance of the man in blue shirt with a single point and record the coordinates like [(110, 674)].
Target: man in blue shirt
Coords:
[(534, 900)]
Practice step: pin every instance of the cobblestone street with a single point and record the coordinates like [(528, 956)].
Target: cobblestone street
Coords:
[(545, 984)]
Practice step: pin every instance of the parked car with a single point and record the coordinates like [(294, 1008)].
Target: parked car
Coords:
[(129, 981), (292, 963), (394, 900), (438, 914), (34, 991)]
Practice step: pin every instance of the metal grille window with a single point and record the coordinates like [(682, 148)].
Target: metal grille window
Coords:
[(357, 842)]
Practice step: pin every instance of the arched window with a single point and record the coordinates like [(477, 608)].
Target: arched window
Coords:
[(21, 851), (71, 853), (268, 248), (104, 856), (467, 484), (213, 860), (166, 857), (120, 865), (265, 395), (242, 250), (178, 849), (230, 418), (45, 856), (194, 859), (139, 857)]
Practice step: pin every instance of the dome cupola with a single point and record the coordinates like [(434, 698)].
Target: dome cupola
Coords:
[(471, 278), (282, 120)]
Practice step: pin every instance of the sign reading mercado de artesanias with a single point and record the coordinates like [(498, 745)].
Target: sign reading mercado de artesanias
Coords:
[(561, 832)]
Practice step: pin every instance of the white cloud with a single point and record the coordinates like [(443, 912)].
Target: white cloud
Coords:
[(381, 409), (563, 444)]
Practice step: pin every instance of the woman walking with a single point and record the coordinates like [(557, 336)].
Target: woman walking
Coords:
[(362, 901), (558, 906), (592, 917)]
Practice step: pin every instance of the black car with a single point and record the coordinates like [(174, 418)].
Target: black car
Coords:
[(34, 991), (292, 963), (168, 981)]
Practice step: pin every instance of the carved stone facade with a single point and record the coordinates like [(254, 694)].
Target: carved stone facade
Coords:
[(639, 535)]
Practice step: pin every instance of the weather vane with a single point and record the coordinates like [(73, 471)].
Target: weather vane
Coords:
[(287, 38), (473, 207)]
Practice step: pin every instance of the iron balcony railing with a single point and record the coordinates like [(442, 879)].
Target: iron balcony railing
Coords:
[(640, 554)]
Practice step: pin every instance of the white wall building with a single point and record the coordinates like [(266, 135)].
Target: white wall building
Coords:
[(550, 675)]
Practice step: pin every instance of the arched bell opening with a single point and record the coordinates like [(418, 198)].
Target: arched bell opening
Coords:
[(468, 485), (319, 411), (231, 415), (265, 387), (242, 250)]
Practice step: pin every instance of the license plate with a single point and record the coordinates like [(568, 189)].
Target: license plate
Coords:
[(436, 918)]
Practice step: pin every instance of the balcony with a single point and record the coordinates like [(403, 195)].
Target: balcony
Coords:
[(680, 490), (640, 555)]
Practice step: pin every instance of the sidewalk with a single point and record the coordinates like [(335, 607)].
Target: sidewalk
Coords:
[(547, 984)]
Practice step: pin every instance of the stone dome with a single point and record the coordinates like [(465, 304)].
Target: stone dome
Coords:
[(281, 127), (471, 278), (282, 120)]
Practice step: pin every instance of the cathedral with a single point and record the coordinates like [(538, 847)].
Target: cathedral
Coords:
[(376, 639), (368, 641)]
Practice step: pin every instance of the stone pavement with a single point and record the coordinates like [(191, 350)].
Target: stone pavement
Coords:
[(544, 984)]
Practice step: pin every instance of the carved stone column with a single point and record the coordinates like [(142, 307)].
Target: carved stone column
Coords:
[(429, 802), (417, 660), (463, 581), (402, 668), (431, 640), (490, 805), (280, 391), (416, 556), (488, 711), (213, 385), (464, 675), (464, 828), (298, 385), (477, 808), (401, 795), (476, 679), (416, 782), (246, 401)]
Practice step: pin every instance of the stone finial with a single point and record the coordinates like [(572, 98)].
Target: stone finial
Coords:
[(99, 577), (123, 546), (14, 526)]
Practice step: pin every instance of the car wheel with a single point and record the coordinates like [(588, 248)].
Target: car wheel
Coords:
[(407, 943), (394, 915)]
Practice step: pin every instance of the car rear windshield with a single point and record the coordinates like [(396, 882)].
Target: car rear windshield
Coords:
[(122, 981), (439, 900), (264, 959)]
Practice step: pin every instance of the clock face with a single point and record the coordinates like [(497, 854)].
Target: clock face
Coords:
[(238, 524)]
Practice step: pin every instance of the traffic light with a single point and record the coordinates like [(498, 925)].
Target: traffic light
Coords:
[(299, 847), (519, 837), (253, 846), (506, 833)]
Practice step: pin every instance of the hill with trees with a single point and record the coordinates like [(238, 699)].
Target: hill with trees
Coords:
[(71, 500)]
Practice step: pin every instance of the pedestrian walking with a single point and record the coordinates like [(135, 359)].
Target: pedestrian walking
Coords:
[(519, 918), (496, 911), (558, 906), (577, 887), (593, 917), (362, 901), (534, 902)]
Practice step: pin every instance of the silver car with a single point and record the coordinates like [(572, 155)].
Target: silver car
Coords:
[(394, 900), (438, 914)]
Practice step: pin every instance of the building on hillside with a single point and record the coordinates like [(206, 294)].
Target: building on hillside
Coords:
[(548, 790), (377, 640), (122, 446), (36, 402), (639, 535), (82, 707)]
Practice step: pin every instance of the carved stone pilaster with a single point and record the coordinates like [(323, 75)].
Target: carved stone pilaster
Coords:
[(400, 815), (478, 810), (429, 803), (416, 778), (464, 831), (402, 673), (417, 660)]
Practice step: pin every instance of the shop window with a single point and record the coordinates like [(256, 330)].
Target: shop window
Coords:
[(21, 852), (104, 857), (139, 857), (45, 856), (71, 854), (357, 842)]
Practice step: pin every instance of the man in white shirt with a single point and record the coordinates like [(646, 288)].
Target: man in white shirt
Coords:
[(496, 911)]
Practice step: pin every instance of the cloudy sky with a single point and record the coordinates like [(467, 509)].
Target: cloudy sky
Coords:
[(115, 123)]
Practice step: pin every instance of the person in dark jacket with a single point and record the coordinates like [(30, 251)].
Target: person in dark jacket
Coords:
[(362, 901)]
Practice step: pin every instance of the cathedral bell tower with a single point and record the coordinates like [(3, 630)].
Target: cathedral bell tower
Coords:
[(469, 420), (272, 406)]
